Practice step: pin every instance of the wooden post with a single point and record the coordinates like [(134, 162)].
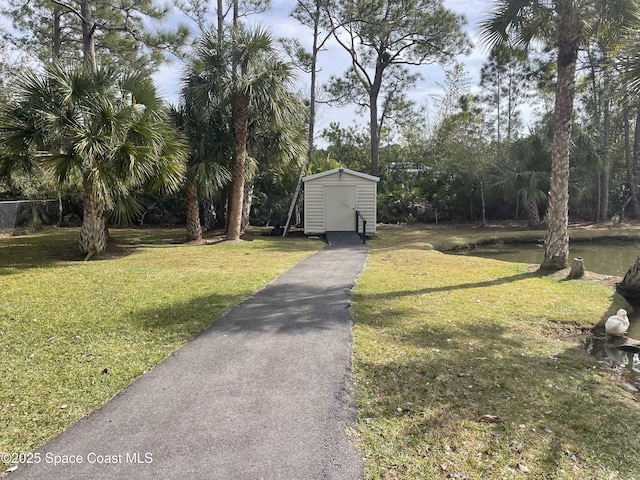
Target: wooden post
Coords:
[(577, 269)]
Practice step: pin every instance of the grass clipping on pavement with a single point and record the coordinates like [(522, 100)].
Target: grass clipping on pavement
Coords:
[(75, 333), (473, 368)]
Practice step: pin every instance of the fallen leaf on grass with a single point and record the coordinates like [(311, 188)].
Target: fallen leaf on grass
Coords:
[(490, 418)]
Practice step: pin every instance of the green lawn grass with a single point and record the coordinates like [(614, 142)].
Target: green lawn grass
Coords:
[(464, 367), (474, 368), (75, 333)]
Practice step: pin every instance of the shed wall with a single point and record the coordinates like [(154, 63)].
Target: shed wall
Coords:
[(314, 201), (313, 208), (366, 198)]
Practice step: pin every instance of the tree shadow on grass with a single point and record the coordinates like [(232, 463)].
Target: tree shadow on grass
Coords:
[(58, 247), (460, 286)]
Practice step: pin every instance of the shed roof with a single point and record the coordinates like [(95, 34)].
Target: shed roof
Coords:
[(343, 170)]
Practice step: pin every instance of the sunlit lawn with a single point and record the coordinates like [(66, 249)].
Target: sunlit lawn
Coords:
[(474, 368), (464, 367), (75, 333)]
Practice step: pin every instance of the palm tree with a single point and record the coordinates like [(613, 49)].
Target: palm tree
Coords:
[(209, 146), (565, 24), (248, 74), (105, 130), (525, 174)]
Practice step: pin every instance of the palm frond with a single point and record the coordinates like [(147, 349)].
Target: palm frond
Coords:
[(125, 210), (518, 23)]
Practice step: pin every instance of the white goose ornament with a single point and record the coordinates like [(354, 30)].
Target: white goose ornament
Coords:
[(617, 324)]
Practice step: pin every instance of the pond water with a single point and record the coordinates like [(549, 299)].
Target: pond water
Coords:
[(610, 258), (625, 362)]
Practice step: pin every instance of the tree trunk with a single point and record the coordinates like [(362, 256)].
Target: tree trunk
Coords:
[(629, 287), (599, 199), (373, 129), (604, 199), (628, 156), (312, 115), (606, 171), (56, 40), (222, 210), (484, 204), (210, 213), (596, 98), (93, 232), (631, 173), (88, 39), (236, 13), (556, 244), (194, 229), (533, 215), (246, 204), (374, 93), (606, 133), (220, 28), (240, 127)]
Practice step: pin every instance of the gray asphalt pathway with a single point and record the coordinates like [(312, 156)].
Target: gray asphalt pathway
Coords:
[(265, 393)]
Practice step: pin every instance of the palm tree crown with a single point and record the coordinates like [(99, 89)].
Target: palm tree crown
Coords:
[(248, 75), (105, 130)]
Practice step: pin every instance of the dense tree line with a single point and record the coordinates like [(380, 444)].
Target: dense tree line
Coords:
[(242, 135)]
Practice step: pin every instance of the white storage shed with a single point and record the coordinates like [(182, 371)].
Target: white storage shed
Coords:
[(331, 199)]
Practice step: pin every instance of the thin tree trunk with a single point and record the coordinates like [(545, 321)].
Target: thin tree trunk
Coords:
[(596, 98), (56, 41), (373, 129), (210, 213), (484, 204), (220, 15), (606, 172), (599, 199), (629, 160), (499, 109), (604, 200), (60, 211), (236, 13), (636, 142), (633, 180), (247, 201), (222, 209), (194, 229), (240, 126), (312, 116), (374, 92), (93, 232), (556, 244)]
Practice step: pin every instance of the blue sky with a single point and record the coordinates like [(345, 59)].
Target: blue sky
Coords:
[(334, 60)]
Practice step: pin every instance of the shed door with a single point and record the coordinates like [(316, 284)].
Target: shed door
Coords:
[(340, 208)]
